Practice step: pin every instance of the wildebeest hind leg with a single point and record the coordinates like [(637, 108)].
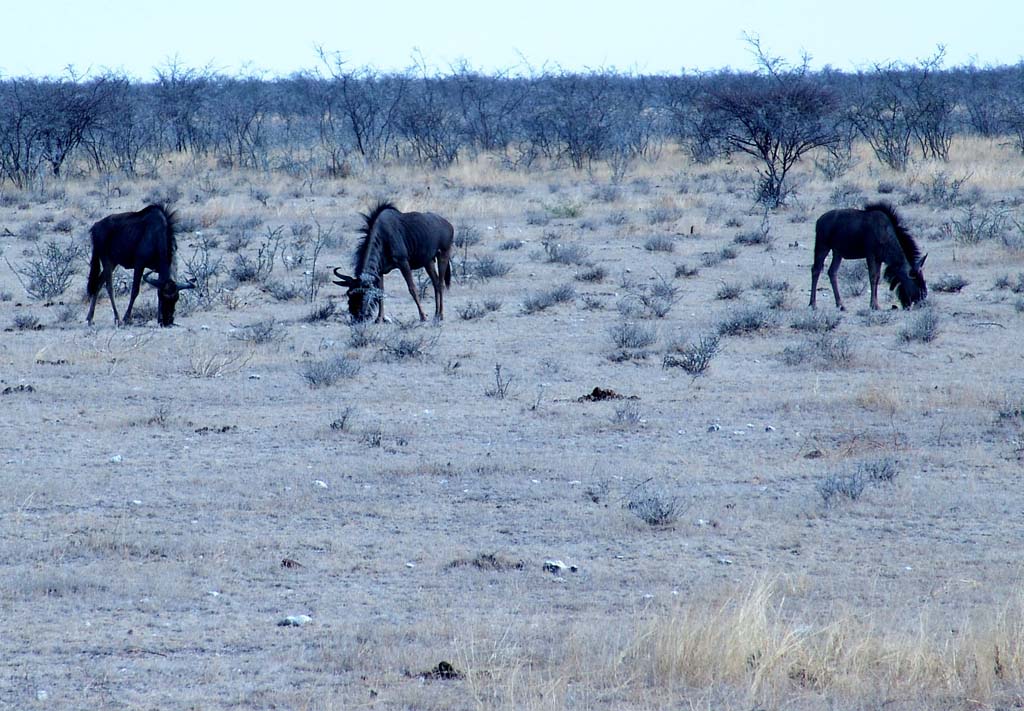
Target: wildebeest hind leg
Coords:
[(833, 277), (435, 279)]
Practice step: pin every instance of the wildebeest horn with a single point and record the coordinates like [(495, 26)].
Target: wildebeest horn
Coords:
[(344, 279), (186, 285), (148, 276), (921, 261)]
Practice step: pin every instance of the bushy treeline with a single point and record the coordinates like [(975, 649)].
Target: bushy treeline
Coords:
[(325, 121)]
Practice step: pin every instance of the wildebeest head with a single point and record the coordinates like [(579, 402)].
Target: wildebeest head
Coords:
[(167, 295), (363, 296), (919, 285)]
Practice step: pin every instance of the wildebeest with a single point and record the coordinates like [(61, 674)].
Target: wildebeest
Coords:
[(135, 240), (398, 240), (876, 235)]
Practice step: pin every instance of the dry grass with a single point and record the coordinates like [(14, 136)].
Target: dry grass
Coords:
[(155, 479)]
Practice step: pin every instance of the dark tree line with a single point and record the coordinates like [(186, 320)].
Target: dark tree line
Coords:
[(326, 120)]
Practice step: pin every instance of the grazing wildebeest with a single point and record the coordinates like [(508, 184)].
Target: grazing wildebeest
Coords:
[(135, 240), (403, 241), (877, 235)]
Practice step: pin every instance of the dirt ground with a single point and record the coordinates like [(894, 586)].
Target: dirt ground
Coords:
[(170, 496)]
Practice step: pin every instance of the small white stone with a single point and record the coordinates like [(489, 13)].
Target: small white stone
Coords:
[(116, 459), (320, 483)]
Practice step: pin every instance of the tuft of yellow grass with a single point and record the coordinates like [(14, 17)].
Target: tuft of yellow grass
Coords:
[(757, 644)]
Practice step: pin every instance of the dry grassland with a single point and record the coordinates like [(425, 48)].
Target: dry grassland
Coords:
[(827, 516)]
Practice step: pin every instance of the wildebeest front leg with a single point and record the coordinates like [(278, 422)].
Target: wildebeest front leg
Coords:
[(380, 299), (136, 281), (407, 273), (874, 272), (833, 277), (435, 279)]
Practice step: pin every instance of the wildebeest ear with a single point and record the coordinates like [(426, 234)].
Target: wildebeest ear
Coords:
[(148, 276)]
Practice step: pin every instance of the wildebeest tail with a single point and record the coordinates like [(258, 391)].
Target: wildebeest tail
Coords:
[(93, 286), (448, 274)]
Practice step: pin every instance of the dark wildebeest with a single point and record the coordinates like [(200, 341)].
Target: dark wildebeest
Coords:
[(875, 234), (403, 241), (135, 240)]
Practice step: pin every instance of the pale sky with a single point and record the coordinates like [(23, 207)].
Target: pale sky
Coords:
[(42, 37)]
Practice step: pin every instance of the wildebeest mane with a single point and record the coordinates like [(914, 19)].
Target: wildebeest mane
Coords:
[(908, 245), (362, 252)]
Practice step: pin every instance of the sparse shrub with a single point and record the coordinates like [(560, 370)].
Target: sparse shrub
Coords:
[(746, 319), (466, 236), (694, 358), (617, 218), (1018, 305), (826, 348), (592, 302), (283, 291), (31, 231), (816, 321), (850, 486), (409, 345), (653, 508), (561, 253), (881, 470), (659, 298), (873, 317), (64, 225), (244, 269), (886, 187), (24, 321), (685, 270), (633, 335), (501, 386), (660, 243), (978, 224), (565, 210), (606, 193), (546, 299), (488, 267), (327, 372), (50, 270), (949, 283), (321, 312), (65, 314), (474, 310), (764, 283), (510, 245), (661, 215), (712, 259), (1007, 282), (922, 326), (341, 420), (753, 238), (538, 218), (733, 221), (846, 195), (260, 332), (592, 274), (212, 362), (853, 277), (944, 190), (727, 291), (628, 414), (362, 334)]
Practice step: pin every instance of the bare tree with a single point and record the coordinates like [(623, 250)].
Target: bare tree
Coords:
[(777, 116)]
